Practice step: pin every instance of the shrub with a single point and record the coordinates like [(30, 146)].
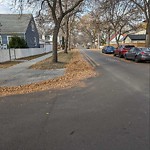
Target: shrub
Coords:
[(17, 42)]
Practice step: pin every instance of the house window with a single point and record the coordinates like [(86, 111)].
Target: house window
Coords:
[(35, 41), (32, 26)]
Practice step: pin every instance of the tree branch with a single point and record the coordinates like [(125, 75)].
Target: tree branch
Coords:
[(73, 7)]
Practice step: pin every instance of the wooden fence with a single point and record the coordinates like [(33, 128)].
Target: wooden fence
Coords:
[(135, 44)]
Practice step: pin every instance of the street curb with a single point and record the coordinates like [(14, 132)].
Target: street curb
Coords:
[(89, 60)]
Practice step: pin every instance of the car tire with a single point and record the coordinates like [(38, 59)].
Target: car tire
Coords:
[(114, 54), (136, 59), (120, 56), (125, 57)]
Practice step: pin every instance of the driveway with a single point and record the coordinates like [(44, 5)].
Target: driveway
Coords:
[(111, 112)]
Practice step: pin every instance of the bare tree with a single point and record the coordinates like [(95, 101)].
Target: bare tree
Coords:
[(88, 28), (121, 16), (66, 23), (58, 12), (144, 6)]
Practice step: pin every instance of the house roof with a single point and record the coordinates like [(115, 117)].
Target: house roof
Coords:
[(14, 23), (137, 37), (113, 36)]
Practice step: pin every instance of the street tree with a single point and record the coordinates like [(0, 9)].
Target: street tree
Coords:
[(88, 28), (67, 22), (144, 6), (121, 17), (57, 10)]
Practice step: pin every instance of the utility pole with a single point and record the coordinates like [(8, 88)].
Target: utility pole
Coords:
[(108, 36), (98, 41), (0, 36)]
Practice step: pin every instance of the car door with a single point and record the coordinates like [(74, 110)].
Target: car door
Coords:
[(129, 54), (132, 53)]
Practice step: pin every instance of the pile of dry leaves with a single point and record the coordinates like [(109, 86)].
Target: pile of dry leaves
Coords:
[(78, 69)]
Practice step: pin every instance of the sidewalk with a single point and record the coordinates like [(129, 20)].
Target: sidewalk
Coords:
[(21, 75)]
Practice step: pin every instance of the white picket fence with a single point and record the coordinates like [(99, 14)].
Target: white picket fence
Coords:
[(12, 54)]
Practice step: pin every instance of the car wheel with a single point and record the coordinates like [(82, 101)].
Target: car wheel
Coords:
[(120, 56), (125, 57), (114, 54), (136, 59)]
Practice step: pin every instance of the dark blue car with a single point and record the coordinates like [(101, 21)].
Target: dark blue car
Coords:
[(108, 50)]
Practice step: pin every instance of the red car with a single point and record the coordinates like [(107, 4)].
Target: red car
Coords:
[(122, 49)]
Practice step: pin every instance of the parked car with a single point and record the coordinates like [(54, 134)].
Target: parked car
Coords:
[(138, 54), (122, 49), (108, 50)]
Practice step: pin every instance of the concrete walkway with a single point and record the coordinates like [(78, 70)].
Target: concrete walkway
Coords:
[(20, 74)]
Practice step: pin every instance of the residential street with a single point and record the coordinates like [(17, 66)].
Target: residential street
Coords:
[(108, 112)]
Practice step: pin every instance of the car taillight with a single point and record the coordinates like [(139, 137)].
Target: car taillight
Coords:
[(124, 49), (142, 53)]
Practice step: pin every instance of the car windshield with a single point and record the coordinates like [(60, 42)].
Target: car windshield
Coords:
[(146, 49), (111, 48), (137, 49)]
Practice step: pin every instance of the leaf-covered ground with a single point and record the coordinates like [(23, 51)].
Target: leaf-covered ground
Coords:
[(77, 70)]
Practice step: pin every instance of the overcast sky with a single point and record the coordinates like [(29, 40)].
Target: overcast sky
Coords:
[(4, 8)]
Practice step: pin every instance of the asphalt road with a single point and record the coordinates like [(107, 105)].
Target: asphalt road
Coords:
[(110, 113)]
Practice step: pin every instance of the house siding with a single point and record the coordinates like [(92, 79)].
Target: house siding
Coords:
[(128, 40), (30, 35)]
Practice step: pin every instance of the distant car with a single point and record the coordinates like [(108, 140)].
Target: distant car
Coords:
[(122, 49), (108, 50), (138, 54)]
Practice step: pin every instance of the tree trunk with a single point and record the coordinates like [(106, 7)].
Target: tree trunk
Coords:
[(108, 38), (70, 39), (69, 42), (98, 42), (117, 38), (55, 35), (148, 34), (63, 43), (117, 41), (67, 35)]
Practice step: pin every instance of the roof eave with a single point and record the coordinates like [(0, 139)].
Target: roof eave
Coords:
[(12, 33)]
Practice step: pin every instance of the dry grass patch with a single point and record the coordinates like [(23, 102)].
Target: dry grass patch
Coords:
[(15, 62), (78, 69), (8, 64), (47, 64), (32, 57)]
